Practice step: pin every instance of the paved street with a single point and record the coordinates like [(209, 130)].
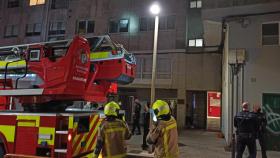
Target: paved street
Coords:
[(195, 144)]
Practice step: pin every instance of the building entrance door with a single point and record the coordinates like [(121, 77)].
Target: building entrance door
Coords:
[(196, 110)]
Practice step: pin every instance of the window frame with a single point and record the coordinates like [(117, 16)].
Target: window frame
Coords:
[(196, 4), (261, 30), (54, 6), (33, 33), (13, 26), (142, 73), (116, 23), (57, 32), (36, 3), (195, 40), (86, 26), (119, 25), (151, 23), (10, 2)]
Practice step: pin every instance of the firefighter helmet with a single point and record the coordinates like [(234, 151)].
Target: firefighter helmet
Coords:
[(111, 109), (160, 108)]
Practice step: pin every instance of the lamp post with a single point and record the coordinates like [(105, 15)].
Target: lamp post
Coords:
[(155, 10)]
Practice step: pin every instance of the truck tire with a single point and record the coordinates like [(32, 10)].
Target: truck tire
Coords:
[(2, 150)]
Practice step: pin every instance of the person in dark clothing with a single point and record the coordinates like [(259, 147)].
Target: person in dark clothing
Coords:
[(261, 129), (136, 117), (246, 125), (146, 123)]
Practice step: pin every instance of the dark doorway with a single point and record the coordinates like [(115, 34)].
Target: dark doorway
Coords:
[(196, 109)]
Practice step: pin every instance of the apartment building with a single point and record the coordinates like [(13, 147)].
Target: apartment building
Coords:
[(250, 38)]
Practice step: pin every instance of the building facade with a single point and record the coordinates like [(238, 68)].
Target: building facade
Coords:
[(186, 70), (248, 31)]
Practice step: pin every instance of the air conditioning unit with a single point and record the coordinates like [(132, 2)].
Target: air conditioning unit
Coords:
[(237, 56)]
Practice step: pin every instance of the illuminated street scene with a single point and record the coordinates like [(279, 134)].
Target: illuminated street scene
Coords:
[(139, 78)]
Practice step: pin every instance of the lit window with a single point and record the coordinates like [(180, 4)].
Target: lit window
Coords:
[(270, 34), (193, 4), (118, 26), (192, 43), (36, 2), (199, 42), (199, 4), (123, 25), (196, 43), (196, 4)]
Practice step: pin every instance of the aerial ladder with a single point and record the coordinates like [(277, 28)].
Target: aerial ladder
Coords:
[(45, 78)]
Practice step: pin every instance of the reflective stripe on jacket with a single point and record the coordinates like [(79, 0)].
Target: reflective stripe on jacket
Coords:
[(113, 135), (165, 138)]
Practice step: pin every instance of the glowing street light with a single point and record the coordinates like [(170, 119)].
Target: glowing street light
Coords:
[(155, 10)]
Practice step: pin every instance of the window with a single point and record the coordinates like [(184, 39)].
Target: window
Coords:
[(33, 29), (113, 27), (144, 68), (165, 23), (147, 24), (164, 68), (162, 23), (85, 26), (59, 4), (83, 124), (270, 34), (196, 43), (57, 28), (196, 4), (120, 26), (34, 55), (170, 22), (11, 31), (123, 25), (36, 2), (13, 3), (147, 68)]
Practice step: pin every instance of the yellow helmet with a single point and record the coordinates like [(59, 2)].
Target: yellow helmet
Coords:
[(161, 107), (111, 109)]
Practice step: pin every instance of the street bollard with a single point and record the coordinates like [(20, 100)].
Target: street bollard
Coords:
[(233, 146)]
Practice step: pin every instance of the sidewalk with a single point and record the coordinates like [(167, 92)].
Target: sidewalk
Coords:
[(194, 144)]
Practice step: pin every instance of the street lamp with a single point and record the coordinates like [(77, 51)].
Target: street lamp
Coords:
[(155, 10)]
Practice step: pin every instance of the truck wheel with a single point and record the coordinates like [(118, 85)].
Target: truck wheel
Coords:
[(2, 150)]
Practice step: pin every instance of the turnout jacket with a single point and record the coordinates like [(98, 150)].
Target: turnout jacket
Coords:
[(164, 137), (112, 134)]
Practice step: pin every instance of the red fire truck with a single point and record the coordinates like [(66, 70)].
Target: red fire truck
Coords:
[(45, 78)]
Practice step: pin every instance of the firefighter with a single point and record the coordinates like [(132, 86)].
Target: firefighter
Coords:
[(163, 135), (246, 125), (261, 129), (112, 134)]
